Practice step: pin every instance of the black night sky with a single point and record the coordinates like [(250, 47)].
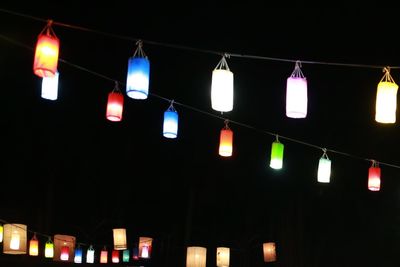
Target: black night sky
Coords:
[(65, 169)]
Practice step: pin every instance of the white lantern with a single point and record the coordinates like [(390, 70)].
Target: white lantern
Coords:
[(324, 169), (196, 257), (145, 247), (296, 94), (14, 238), (222, 87), (50, 87), (223, 255), (90, 255), (386, 99)]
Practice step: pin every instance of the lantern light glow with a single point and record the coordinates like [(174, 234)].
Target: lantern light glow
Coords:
[(115, 104), (50, 87), (170, 125), (269, 251), (49, 249), (15, 239), (119, 236), (296, 94), (137, 84), (276, 155), (324, 168), (226, 141), (78, 255), (386, 99), (90, 255), (223, 255), (196, 257), (374, 177), (34, 246), (222, 87)]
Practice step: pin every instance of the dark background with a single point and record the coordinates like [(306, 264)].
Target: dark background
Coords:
[(65, 169)]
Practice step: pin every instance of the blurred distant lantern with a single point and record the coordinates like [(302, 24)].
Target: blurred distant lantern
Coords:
[(90, 255), (1, 233), (137, 84), (49, 249), (269, 252), (296, 94), (324, 168), (196, 257), (14, 238), (34, 246), (276, 155), (386, 99), (46, 53), (104, 255), (170, 126), (119, 235), (115, 104), (135, 252), (374, 177), (125, 255), (145, 247), (64, 247), (115, 256), (50, 87), (78, 255), (222, 87), (226, 141), (223, 255)]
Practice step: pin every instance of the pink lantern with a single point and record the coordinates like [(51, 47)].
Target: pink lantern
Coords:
[(115, 104), (374, 177)]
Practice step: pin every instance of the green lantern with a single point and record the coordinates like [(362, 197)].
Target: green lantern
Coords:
[(276, 155)]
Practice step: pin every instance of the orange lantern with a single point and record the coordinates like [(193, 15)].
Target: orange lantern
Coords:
[(34, 246), (104, 256), (14, 238), (119, 236), (115, 104), (225, 141), (269, 252), (374, 177), (46, 53)]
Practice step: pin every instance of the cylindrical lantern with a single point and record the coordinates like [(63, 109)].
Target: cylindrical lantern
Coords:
[(90, 255), (223, 255), (269, 252), (46, 53), (386, 99), (170, 125), (64, 247), (145, 247), (14, 238), (50, 87), (49, 249), (135, 253), (137, 84), (115, 105), (104, 256), (222, 87), (115, 256), (125, 255), (34, 246), (1, 233), (374, 177), (226, 141), (296, 94), (276, 155), (78, 255), (324, 169), (119, 235), (196, 257)]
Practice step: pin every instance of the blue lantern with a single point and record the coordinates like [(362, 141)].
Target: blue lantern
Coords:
[(170, 127), (137, 84), (78, 255)]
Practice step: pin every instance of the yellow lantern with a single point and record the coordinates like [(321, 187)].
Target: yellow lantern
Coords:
[(223, 255), (196, 257), (386, 99), (64, 248), (14, 238), (269, 252), (119, 235), (1, 233), (49, 249), (145, 246), (34, 246)]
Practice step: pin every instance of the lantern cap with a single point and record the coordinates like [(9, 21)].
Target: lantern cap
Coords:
[(324, 155), (139, 50), (226, 127), (297, 73), (222, 64), (387, 77), (171, 106), (48, 30)]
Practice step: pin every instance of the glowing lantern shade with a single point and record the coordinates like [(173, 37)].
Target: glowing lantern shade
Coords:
[(223, 255), (115, 256), (46, 53), (276, 155), (374, 177), (49, 249), (145, 246), (1, 233), (34, 246), (14, 238), (226, 141), (296, 94), (90, 255), (64, 247), (269, 252), (64, 253), (324, 169), (50, 87), (115, 104), (137, 84), (78, 255), (222, 87), (104, 256), (119, 235), (386, 99), (125, 255), (196, 257), (170, 125)]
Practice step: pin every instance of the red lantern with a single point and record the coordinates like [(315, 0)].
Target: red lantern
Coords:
[(46, 53), (225, 141), (115, 105), (115, 256), (374, 177), (64, 253)]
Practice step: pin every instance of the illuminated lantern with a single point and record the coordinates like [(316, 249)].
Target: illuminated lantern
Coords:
[(135, 253), (222, 87), (296, 94), (276, 155), (170, 126), (137, 84), (119, 235), (14, 238), (223, 255), (125, 255), (1, 233), (64, 247), (78, 255), (49, 249), (115, 104), (226, 141), (386, 99), (145, 246), (50, 87), (104, 256), (269, 252), (34, 246), (374, 177), (324, 169), (115, 256), (46, 53), (196, 257), (90, 255)]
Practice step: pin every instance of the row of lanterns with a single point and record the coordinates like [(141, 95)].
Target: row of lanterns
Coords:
[(222, 91)]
